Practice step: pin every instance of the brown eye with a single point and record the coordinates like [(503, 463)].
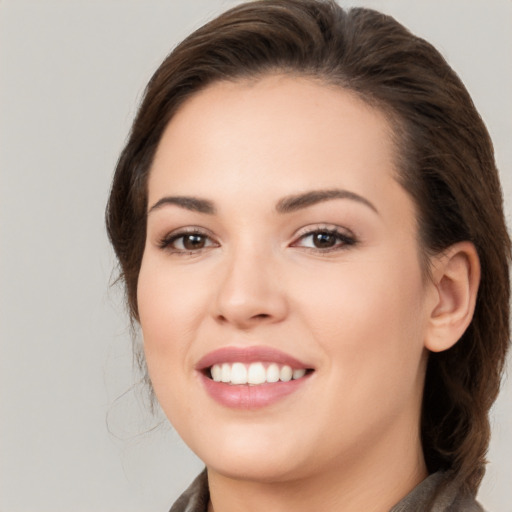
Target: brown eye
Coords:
[(324, 240), (187, 242), (193, 242)]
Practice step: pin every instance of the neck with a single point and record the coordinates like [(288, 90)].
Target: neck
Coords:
[(373, 483)]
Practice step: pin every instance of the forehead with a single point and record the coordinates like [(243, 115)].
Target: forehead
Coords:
[(277, 131)]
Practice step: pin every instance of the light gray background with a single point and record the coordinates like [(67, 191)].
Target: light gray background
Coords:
[(71, 75)]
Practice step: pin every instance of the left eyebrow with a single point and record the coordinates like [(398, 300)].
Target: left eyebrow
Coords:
[(297, 202)]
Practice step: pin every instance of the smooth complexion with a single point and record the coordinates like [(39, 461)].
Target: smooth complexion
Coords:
[(276, 223)]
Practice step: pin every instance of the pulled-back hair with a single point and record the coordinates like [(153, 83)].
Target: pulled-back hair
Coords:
[(445, 162)]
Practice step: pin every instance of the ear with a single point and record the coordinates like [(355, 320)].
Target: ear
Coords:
[(455, 278)]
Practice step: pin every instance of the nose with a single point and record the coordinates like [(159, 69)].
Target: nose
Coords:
[(250, 292)]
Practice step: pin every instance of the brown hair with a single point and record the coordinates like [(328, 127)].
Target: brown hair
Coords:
[(446, 163)]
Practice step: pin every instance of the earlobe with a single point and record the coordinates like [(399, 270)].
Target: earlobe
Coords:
[(456, 277)]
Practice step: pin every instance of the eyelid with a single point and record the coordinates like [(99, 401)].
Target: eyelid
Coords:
[(347, 237), (323, 226), (165, 241)]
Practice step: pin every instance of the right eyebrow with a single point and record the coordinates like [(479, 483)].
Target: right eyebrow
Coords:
[(187, 202)]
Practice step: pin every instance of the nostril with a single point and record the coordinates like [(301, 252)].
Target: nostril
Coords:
[(262, 316), (222, 318)]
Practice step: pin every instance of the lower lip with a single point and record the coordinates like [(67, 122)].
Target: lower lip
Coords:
[(244, 396)]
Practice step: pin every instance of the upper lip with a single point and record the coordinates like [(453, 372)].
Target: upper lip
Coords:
[(249, 355)]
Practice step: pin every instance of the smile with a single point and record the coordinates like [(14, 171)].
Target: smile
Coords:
[(254, 373), (251, 377)]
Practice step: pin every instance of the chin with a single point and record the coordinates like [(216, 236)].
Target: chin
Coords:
[(255, 454), (257, 469)]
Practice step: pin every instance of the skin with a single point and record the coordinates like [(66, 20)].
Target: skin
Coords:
[(361, 314)]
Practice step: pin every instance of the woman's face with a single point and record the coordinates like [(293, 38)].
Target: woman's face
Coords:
[(280, 245)]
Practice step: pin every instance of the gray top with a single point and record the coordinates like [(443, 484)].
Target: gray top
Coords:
[(437, 493)]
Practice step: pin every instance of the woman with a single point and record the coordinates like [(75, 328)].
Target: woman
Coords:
[(309, 224)]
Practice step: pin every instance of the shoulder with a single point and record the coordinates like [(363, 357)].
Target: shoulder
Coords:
[(440, 492)]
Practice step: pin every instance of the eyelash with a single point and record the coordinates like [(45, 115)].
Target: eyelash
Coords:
[(167, 241), (343, 240)]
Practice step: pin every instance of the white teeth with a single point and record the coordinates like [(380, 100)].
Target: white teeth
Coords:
[(286, 373), (226, 373), (297, 374), (216, 373), (254, 373), (273, 373), (238, 374)]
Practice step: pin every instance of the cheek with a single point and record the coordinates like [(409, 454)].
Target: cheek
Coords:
[(369, 327), (368, 317), (168, 297), (171, 305)]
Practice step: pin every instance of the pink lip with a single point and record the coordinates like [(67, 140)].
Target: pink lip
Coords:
[(245, 396), (248, 355)]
